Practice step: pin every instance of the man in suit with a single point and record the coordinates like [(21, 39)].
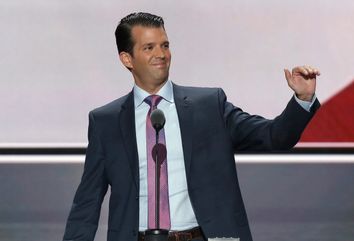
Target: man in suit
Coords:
[(202, 133)]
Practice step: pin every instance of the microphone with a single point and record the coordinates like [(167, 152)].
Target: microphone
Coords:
[(157, 119)]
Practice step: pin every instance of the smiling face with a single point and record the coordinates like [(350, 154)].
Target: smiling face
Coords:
[(150, 61)]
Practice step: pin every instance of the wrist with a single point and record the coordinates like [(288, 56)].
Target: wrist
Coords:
[(305, 97)]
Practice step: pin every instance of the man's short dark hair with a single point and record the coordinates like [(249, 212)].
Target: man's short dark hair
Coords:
[(124, 39)]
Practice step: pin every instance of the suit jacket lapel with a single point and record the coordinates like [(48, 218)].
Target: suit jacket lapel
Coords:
[(185, 117), (127, 127)]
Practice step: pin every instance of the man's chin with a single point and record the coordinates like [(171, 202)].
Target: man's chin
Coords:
[(161, 78)]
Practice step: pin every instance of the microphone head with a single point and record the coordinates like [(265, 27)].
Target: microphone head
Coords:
[(157, 119)]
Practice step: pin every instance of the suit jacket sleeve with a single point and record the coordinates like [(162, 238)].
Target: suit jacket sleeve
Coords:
[(255, 133), (84, 215)]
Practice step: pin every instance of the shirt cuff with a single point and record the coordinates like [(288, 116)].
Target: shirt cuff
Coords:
[(306, 104)]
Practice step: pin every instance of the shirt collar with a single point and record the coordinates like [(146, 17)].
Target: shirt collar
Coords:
[(166, 92)]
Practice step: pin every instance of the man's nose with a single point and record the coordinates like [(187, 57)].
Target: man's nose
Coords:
[(160, 53)]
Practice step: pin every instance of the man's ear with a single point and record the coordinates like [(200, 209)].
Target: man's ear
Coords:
[(126, 59)]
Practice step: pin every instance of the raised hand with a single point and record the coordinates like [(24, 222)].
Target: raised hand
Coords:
[(302, 80)]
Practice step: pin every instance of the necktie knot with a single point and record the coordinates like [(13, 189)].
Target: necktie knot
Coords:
[(153, 100)]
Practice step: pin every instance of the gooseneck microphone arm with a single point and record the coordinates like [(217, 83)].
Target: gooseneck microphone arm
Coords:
[(158, 121), (157, 184)]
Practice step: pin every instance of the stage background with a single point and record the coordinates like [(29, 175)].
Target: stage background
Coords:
[(59, 59)]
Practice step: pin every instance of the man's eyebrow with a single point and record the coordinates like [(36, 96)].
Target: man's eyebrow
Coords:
[(151, 43)]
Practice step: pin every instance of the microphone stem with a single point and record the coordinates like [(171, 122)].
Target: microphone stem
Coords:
[(157, 184)]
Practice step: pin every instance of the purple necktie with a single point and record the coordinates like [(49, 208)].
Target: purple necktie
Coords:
[(165, 223)]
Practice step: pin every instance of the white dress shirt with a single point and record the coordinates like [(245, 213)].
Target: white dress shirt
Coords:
[(181, 211)]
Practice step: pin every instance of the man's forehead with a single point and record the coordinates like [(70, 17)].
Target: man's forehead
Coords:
[(146, 34)]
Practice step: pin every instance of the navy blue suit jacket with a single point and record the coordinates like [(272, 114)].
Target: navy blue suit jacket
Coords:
[(212, 130)]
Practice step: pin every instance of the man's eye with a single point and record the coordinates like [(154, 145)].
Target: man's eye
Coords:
[(166, 46), (148, 48)]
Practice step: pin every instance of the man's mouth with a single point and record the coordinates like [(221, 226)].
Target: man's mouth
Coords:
[(160, 64)]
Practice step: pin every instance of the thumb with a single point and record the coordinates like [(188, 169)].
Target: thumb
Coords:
[(287, 75)]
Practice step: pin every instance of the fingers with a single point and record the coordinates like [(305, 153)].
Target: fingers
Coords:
[(311, 70), (306, 70), (300, 70)]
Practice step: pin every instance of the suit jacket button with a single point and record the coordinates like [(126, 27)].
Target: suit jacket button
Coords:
[(137, 197), (134, 232)]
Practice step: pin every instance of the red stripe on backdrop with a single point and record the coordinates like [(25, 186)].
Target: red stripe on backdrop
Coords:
[(334, 121)]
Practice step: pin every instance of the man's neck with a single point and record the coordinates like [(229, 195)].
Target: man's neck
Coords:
[(150, 88)]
